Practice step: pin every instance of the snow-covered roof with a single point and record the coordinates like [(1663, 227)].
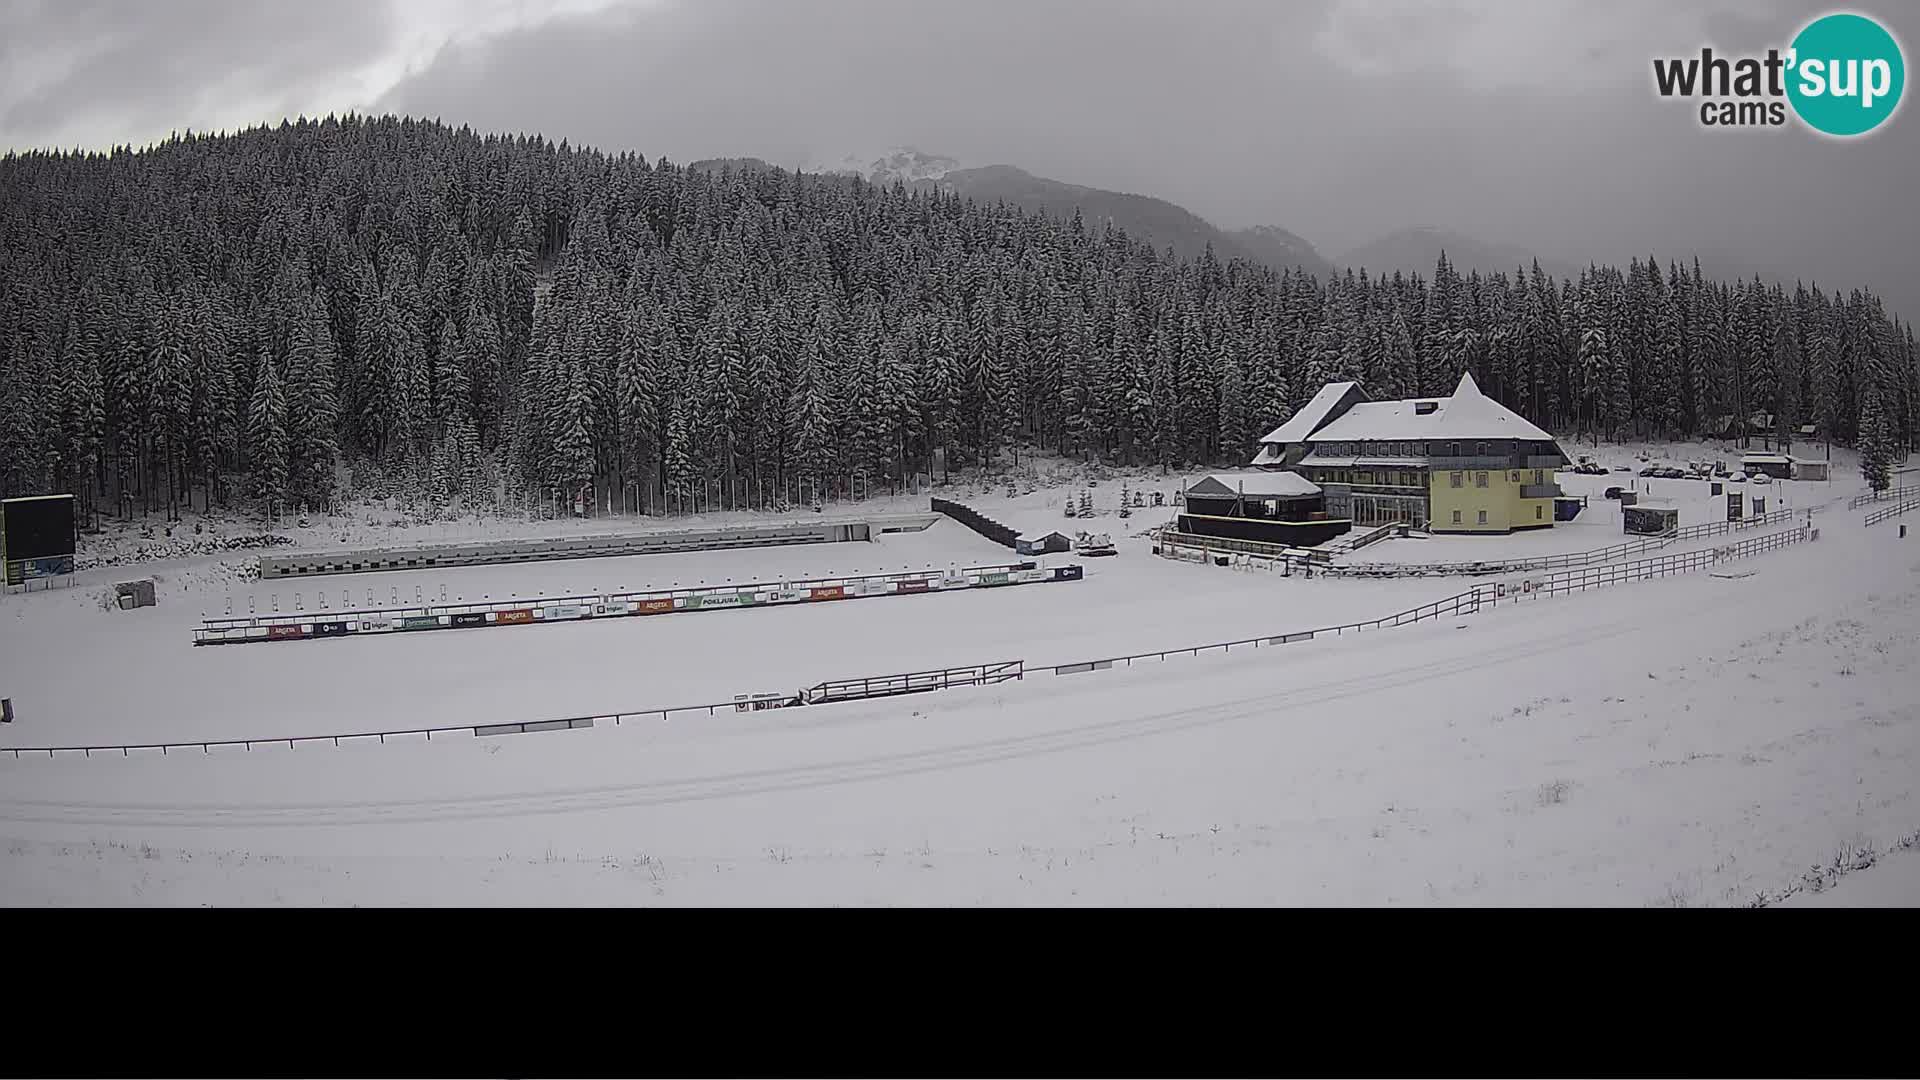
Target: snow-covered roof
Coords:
[(1311, 416), (1768, 459), (1467, 414), (1270, 454), (1258, 485)]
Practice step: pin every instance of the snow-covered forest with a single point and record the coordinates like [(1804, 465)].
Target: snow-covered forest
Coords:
[(226, 319)]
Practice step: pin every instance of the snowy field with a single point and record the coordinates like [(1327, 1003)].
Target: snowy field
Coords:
[(1695, 740), (57, 640)]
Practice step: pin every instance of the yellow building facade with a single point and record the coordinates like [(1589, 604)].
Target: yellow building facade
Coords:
[(1490, 500)]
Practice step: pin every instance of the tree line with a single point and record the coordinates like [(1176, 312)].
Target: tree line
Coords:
[(234, 318)]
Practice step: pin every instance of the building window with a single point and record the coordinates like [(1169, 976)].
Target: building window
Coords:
[(1514, 476), (1479, 479), (1538, 512), (1483, 517), (1456, 517), (1454, 478), (1537, 477)]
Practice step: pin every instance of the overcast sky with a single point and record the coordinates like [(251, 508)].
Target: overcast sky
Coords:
[(1530, 122)]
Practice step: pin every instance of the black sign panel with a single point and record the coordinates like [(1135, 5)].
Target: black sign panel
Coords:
[(329, 629), (470, 618), (37, 536), (38, 528)]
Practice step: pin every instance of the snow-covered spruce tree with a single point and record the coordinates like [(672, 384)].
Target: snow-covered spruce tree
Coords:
[(1876, 445), (267, 432)]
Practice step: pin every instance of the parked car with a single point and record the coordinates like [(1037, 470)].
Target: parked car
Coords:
[(1651, 470), (1614, 492), (1737, 478), (1762, 478), (1621, 468), (1672, 473)]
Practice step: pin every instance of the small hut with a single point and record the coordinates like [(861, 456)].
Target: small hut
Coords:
[(1778, 466), (1270, 507), (1809, 470), (1042, 543)]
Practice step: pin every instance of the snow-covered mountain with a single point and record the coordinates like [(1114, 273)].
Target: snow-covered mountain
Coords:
[(1157, 221), (907, 164)]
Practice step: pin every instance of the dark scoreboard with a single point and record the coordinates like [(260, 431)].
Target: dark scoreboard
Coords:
[(37, 537)]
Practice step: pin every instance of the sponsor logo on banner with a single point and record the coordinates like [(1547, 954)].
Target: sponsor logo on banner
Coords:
[(470, 618), (419, 622), (564, 611), (787, 596), (909, 586), (993, 579), (831, 592), (375, 623), (329, 629), (516, 615), (284, 633), (654, 607)]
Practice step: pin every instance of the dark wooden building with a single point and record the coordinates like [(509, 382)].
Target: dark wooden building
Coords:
[(1268, 507)]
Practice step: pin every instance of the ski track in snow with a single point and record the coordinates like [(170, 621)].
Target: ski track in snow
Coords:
[(1682, 741)]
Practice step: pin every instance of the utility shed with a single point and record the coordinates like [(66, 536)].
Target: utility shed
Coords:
[(1809, 470), (1043, 543), (1778, 466)]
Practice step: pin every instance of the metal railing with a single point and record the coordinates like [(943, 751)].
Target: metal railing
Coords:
[(1466, 603), (1878, 516), (1715, 528), (914, 682), (1228, 545), (1374, 535), (834, 690), (1859, 501), (378, 737), (1685, 562), (1485, 567)]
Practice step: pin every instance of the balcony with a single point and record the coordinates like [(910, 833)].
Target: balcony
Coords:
[(1495, 462), (1540, 491)]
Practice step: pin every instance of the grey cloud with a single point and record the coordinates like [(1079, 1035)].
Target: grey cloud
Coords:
[(126, 69), (1338, 119)]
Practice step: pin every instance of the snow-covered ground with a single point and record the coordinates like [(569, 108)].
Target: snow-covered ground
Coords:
[(80, 675), (1694, 740)]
